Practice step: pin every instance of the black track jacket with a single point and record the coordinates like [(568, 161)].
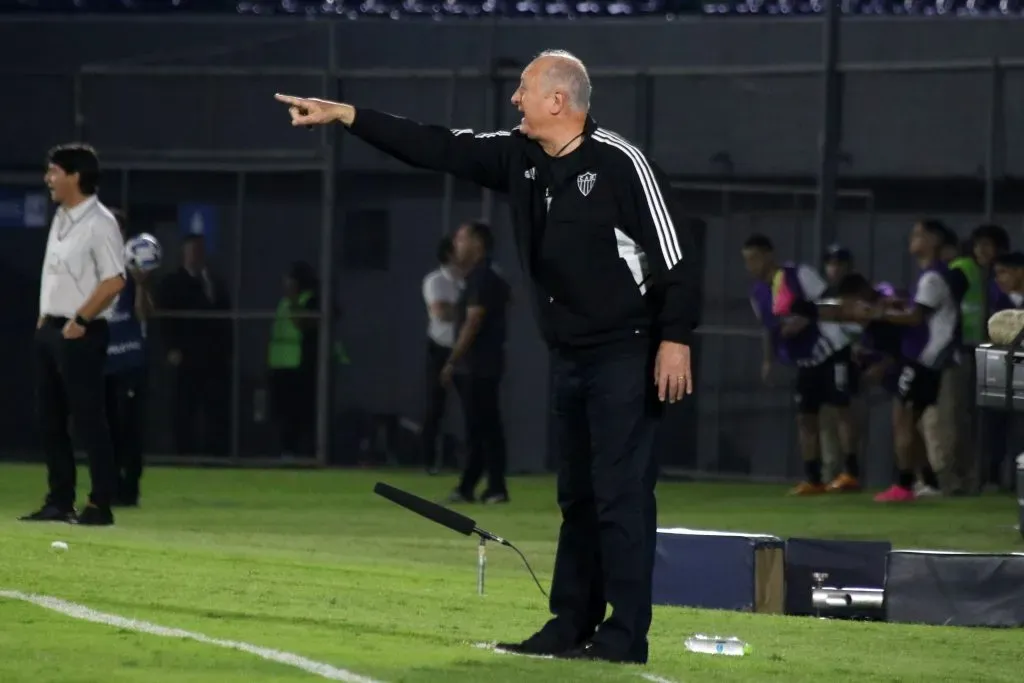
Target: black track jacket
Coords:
[(609, 255)]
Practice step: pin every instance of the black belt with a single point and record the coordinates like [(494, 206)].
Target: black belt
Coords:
[(61, 321)]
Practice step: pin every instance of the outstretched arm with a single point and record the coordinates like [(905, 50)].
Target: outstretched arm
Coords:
[(481, 158)]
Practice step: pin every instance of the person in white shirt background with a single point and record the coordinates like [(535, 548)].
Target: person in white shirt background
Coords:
[(441, 288), (83, 273)]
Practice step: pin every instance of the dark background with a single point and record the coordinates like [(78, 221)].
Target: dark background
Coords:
[(732, 109)]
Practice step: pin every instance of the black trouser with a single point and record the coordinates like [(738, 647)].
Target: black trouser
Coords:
[(202, 409), (605, 415), (485, 434), (69, 376), (293, 400), (126, 414), (436, 398)]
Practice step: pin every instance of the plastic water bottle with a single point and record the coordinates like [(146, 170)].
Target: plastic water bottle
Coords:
[(717, 645)]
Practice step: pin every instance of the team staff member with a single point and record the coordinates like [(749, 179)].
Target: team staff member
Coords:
[(612, 270), (292, 357), (477, 363), (784, 299), (83, 272), (929, 345), (441, 288), (838, 264), (126, 380)]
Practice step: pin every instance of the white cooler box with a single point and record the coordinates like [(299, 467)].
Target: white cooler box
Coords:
[(990, 377)]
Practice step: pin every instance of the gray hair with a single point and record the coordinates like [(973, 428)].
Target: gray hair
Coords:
[(566, 71)]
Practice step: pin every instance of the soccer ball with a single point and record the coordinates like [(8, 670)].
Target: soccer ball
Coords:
[(143, 253)]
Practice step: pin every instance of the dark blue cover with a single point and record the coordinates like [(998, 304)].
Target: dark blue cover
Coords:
[(708, 570)]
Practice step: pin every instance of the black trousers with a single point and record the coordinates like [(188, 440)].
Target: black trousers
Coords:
[(126, 414), (70, 385), (202, 408), (485, 434), (293, 400), (605, 415), (436, 399)]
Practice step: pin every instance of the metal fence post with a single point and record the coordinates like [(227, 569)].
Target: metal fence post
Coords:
[(831, 110), (448, 199), (325, 342), (236, 322), (992, 142)]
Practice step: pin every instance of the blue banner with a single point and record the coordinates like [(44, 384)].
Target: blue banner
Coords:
[(21, 208), (199, 219)]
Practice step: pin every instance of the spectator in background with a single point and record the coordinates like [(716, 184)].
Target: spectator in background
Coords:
[(1009, 276), (838, 264), (949, 416), (930, 342), (441, 290), (1008, 271), (199, 348), (292, 358), (785, 302), (477, 363), (877, 351), (126, 376), (988, 242)]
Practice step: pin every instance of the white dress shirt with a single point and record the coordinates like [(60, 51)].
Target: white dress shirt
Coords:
[(441, 287), (84, 248)]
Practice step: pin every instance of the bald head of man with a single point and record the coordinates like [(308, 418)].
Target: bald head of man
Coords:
[(554, 98)]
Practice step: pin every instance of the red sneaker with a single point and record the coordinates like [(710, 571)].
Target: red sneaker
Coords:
[(895, 494)]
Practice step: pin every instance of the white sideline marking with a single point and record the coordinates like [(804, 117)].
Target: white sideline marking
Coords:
[(656, 679), (76, 611), (491, 646)]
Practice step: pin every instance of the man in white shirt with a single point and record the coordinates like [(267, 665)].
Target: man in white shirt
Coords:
[(441, 289), (83, 273)]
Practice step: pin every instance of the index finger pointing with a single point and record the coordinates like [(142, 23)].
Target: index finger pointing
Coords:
[(289, 99)]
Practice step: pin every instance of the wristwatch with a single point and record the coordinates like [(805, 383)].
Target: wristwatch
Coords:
[(79, 320)]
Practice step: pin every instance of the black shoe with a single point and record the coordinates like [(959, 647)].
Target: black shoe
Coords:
[(127, 495), (540, 644), (456, 497), (494, 498), (51, 513), (94, 515), (124, 500), (596, 651)]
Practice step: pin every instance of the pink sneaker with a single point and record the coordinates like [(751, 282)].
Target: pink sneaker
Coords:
[(895, 494)]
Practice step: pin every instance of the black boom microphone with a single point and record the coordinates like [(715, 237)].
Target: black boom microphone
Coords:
[(453, 520), (435, 513)]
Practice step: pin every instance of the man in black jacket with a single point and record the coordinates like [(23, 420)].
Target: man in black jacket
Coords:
[(611, 267)]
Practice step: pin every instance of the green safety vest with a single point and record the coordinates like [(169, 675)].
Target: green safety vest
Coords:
[(286, 338), (972, 308), (285, 351)]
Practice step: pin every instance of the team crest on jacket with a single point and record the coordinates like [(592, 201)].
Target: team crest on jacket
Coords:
[(585, 181)]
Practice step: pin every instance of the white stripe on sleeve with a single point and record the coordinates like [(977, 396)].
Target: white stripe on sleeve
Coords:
[(660, 216)]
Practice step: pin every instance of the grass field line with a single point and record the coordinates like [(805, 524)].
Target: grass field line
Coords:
[(491, 646), (84, 613)]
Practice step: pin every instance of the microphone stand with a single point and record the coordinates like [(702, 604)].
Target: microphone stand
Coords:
[(481, 565)]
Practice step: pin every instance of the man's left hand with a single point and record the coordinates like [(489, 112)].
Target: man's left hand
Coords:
[(73, 330), (672, 371)]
